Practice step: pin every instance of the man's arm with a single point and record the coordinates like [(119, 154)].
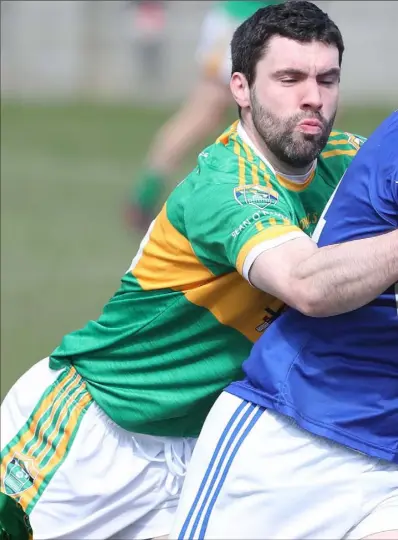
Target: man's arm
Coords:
[(329, 280)]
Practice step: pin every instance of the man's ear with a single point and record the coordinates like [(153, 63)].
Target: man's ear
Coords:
[(240, 89)]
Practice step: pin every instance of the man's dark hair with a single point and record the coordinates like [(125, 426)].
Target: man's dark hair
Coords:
[(295, 19)]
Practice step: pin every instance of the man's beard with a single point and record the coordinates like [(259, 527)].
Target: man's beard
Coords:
[(283, 139)]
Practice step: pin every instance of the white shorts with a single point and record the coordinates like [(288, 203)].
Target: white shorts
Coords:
[(213, 52), (75, 472), (255, 474)]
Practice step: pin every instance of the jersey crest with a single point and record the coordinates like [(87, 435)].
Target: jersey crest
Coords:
[(355, 141), (258, 196), (20, 475)]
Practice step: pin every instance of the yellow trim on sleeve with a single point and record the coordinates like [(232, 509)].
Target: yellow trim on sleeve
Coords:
[(263, 236), (168, 261)]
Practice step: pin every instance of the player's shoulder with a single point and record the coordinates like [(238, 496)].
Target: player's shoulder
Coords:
[(342, 144), (372, 180), (389, 126), (222, 159), (379, 161), (230, 160), (220, 168), (337, 155), (384, 140), (380, 151)]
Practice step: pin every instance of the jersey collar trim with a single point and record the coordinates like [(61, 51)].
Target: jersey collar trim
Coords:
[(294, 182)]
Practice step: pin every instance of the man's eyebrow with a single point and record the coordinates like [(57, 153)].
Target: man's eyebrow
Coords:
[(292, 72), (330, 72)]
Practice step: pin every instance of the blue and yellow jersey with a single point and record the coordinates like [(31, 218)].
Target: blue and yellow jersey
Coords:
[(185, 317), (338, 376)]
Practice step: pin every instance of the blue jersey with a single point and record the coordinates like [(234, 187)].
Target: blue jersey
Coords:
[(338, 376)]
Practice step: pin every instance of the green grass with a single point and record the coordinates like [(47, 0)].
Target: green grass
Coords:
[(65, 171)]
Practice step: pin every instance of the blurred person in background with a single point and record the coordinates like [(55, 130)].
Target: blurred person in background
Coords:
[(148, 24), (202, 112), (107, 423)]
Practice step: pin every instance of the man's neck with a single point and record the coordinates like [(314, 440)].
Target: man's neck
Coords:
[(249, 132)]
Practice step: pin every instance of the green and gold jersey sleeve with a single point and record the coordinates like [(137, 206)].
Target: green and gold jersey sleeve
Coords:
[(236, 215)]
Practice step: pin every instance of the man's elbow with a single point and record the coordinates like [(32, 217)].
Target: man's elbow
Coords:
[(310, 302)]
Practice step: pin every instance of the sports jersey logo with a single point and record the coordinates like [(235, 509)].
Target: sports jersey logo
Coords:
[(272, 312), (258, 196), (20, 474), (356, 141)]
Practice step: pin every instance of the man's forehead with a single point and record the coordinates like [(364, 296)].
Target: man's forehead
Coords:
[(285, 53)]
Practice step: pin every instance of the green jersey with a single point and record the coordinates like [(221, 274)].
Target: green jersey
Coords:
[(243, 10), (185, 317)]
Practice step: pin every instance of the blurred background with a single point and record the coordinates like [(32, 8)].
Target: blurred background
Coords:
[(85, 85)]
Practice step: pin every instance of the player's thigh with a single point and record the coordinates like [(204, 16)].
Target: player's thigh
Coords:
[(155, 525), (40, 418), (386, 535), (379, 490), (209, 507), (28, 423), (250, 463), (106, 487), (73, 471)]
